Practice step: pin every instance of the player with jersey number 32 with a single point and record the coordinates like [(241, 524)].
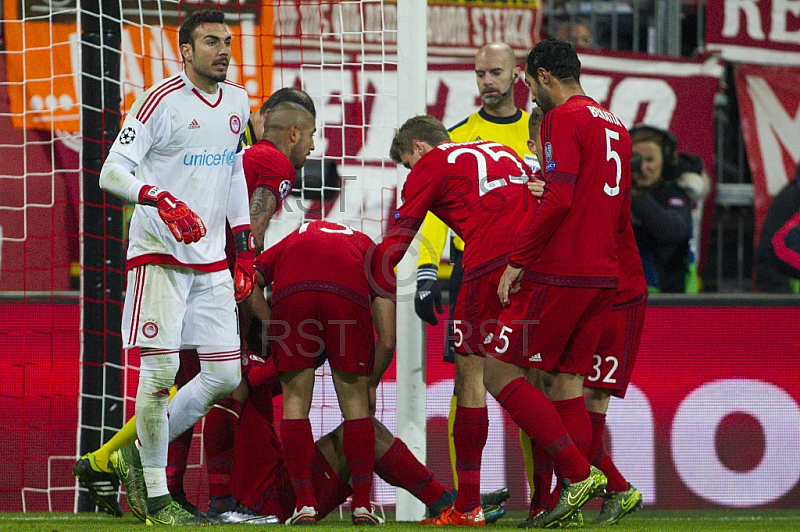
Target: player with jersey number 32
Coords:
[(182, 138), (562, 274)]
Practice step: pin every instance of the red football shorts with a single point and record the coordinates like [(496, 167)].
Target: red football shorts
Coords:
[(553, 328), (305, 324), (475, 315), (612, 364), (262, 483)]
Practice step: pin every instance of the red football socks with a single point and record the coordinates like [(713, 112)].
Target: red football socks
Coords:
[(399, 467), (470, 430), (542, 478), (598, 422), (575, 418), (603, 462), (535, 414), (359, 450), (219, 439), (177, 460), (298, 447)]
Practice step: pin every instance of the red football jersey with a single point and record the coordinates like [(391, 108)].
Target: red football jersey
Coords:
[(321, 256), (476, 188), (632, 282), (266, 166), (571, 239)]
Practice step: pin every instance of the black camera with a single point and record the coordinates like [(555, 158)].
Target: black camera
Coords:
[(636, 163)]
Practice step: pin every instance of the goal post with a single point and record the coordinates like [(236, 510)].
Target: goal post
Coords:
[(412, 66)]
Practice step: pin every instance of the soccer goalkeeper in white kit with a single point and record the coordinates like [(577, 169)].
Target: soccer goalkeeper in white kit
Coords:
[(182, 137)]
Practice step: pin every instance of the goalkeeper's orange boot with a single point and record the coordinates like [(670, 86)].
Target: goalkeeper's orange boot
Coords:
[(452, 517)]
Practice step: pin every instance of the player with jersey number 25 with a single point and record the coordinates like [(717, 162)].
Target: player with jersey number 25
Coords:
[(182, 136), (476, 188)]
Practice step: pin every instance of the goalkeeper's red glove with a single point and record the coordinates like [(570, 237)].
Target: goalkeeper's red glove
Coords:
[(244, 271), (184, 224)]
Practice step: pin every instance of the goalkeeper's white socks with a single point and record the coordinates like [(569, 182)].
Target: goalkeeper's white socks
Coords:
[(215, 381), (156, 375)]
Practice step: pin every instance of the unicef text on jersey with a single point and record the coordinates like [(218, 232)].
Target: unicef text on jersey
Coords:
[(209, 159)]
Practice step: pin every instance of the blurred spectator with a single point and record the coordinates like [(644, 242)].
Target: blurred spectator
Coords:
[(777, 256), (665, 187), (577, 33)]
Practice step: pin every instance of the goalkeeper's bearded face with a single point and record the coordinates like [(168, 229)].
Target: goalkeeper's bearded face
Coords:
[(210, 53)]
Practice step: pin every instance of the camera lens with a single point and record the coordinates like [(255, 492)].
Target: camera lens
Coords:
[(636, 163)]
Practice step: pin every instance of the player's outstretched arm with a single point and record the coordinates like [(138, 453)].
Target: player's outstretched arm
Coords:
[(258, 302), (383, 318)]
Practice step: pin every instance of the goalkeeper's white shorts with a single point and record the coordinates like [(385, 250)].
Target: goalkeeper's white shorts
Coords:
[(174, 307)]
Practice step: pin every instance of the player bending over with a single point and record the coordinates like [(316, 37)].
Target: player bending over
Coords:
[(265, 484), (476, 189)]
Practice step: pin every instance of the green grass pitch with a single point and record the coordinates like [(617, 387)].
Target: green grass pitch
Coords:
[(644, 521)]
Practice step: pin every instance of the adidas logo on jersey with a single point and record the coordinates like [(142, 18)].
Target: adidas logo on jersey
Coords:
[(194, 124), (535, 358)]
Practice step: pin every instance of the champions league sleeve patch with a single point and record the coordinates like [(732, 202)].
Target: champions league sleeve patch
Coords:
[(285, 188), (127, 136)]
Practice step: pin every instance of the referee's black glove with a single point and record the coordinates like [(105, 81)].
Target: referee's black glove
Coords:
[(428, 295)]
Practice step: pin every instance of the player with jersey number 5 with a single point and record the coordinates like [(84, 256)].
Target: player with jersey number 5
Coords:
[(477, 189), (182, 138), (562, 274)]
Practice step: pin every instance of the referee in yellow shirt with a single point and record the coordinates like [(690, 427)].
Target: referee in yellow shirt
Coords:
[(498, 120)]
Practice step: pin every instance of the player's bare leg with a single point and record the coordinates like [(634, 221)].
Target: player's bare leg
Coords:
[(621, 497), (298, 440)]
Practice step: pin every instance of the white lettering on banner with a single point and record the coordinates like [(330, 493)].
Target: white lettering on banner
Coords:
[(597, 87), (632, 429), (448, 25), (777, 130), (777, 19), (632, 93), (694, 430), (752, 15), (781, 9)]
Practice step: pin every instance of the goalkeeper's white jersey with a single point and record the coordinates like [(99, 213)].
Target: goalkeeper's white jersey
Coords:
[(184, 141)]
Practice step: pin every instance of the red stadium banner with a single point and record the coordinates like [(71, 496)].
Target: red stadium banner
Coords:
[(769, 109), (45, 74), (711, 419), (765, 31), (455, 28)]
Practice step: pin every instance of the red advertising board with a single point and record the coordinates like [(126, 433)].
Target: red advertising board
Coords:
[(765, 31), (712, 418)]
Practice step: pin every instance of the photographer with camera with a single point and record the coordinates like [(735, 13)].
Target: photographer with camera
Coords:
[(661, 209)]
